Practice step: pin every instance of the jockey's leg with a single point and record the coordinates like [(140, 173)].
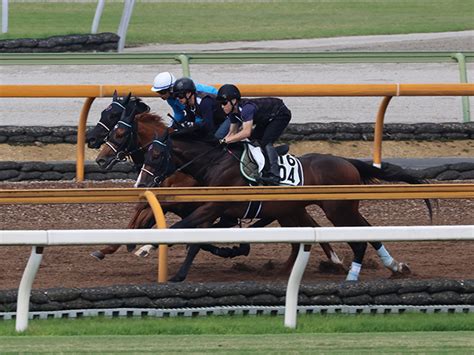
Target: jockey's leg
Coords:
[(272, 174)]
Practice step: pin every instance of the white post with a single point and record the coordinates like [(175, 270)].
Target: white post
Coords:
[(291, 302), (4, 16), (98, 15), (24, 291), (123, 27)]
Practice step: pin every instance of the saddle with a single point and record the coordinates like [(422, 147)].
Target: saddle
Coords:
[(252, 162)]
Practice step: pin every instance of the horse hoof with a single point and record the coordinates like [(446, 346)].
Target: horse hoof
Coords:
[(97, 255), (402, 271), (142, 254), (176, 278)]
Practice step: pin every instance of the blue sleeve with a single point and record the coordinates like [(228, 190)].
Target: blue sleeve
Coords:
[(178, 109), (208, 89), (206, 117), (248, 112)]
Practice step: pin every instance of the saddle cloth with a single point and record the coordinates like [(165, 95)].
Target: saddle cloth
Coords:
[(252, 162)]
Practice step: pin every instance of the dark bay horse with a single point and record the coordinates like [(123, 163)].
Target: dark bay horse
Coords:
[(140, 130), (111, 115), (210, 165)]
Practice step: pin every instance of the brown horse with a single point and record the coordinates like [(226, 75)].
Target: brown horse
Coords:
[(134, 134), (211, 166), (143, 216)]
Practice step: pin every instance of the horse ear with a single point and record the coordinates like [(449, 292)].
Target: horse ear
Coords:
[(115, 96), (127, 100)]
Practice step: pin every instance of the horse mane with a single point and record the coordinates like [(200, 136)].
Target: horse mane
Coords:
[(150, 117)]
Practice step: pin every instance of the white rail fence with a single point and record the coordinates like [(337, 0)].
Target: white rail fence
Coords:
[(304, 236)]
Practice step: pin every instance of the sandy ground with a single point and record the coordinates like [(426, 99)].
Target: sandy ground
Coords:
[(352, 149)]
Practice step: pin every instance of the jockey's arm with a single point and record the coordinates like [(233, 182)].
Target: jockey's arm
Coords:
[(178, 109), (244, 133), (206, 117)]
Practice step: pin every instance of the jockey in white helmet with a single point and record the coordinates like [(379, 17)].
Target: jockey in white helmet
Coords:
[(163, 86)]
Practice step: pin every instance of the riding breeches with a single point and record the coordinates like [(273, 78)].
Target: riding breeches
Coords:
[(271, 131)]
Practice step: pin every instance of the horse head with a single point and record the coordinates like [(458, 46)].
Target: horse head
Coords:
[(130, 137), (158, 164), (119, 140), (110, 116)]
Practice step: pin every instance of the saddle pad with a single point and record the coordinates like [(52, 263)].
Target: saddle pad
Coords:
[(252, 162)]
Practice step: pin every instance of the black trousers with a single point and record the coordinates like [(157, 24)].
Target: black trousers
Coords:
[(270, 131)]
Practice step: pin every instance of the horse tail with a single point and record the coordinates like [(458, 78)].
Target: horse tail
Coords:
[(389, 172)]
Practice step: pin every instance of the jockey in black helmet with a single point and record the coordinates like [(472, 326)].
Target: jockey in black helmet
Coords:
[(163, 85), (201, 108), (263, 119)]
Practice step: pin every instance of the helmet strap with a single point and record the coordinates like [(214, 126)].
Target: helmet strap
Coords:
[(233, 105)]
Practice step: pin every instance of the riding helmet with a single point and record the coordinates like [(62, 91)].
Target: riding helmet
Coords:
[(228, 92), (184, 85), (163, 81)]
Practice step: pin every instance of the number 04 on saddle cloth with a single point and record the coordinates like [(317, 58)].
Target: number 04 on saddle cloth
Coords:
[(252, 162)]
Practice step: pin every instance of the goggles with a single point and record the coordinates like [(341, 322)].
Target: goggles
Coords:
[(180, 95)]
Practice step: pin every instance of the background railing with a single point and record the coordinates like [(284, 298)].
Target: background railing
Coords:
[(186, 59), (386, 90)]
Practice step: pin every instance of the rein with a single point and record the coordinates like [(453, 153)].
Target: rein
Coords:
[(195, 158)]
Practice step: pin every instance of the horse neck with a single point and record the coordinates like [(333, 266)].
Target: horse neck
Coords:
[(147, 130), (184, 151)]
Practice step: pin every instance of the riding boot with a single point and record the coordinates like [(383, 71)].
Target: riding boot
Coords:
[(272, 174)]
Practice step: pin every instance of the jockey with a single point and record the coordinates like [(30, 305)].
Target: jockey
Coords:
[(200, 108), (163, 85), (270, 117)]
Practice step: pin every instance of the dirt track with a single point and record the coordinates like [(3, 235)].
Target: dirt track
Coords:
[(73, 267)]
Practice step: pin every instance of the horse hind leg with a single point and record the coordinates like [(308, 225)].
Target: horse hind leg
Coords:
[(346, 214), (398, 268), (334, 263)]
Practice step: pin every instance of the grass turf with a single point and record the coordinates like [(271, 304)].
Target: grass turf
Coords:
[(202, 22)]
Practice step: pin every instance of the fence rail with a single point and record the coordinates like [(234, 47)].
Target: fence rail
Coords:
[(304, 236), (231, 58), (239, 194)]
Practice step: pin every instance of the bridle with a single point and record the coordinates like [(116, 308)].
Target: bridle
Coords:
[(129, 147), (169, 168)]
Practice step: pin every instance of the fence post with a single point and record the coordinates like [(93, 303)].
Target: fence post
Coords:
[(81, 139), (291, 299), (123, 27), (4, 16), (184, 60), (466, 110), (378, 132), (160, 224), (24, 291), (97, 16)]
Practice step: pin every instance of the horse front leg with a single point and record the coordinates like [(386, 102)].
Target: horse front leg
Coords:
[(183, 271), (207, 212), (107, 250)]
